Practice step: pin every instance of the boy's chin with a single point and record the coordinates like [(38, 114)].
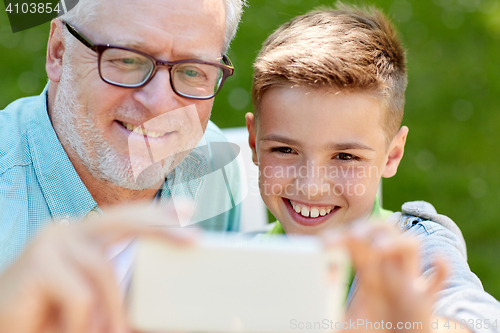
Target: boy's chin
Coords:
[(293, 230)]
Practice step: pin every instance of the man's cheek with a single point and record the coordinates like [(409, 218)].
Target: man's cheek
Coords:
[(204, 109)]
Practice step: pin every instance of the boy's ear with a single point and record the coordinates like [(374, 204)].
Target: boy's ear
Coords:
[(251, 135), (396, 151), (55, 50)]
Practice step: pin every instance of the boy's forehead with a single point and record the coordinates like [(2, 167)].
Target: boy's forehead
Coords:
[(324, 116)]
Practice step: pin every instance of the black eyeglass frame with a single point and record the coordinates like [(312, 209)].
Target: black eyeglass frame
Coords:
[(227, 68)]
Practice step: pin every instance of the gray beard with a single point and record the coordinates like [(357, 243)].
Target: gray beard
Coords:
[(77, 133)]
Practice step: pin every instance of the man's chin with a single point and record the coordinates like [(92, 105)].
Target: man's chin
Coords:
[(120, 173), (151, 177), (147, 181)]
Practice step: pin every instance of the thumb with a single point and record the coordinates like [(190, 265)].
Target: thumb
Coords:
[(441, 271)]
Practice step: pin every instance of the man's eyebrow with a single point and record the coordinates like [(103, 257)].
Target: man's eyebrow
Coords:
[(198, 56), (139, 45), (130, 43)]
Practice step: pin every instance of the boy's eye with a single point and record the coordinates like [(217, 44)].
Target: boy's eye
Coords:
[(346, 157), (283, 150)]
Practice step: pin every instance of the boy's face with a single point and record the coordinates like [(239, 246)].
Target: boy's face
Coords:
[(321, 155)]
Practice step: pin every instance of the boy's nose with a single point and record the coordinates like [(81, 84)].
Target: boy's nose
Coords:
[(313, 187), (315, 183)]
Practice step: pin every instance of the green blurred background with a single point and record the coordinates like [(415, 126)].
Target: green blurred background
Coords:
[(452, 157)]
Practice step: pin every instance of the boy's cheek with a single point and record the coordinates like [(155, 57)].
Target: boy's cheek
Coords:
[(276, 179), (356, 174)]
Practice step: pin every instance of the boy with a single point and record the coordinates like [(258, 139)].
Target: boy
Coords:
[(328, 96)]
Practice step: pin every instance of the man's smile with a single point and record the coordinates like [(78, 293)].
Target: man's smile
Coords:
[(142, 130)]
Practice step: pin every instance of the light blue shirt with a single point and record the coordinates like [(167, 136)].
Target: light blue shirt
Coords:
[(38, 182), (462, 297)]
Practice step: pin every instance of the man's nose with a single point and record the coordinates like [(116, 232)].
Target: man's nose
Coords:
[(158, 95)]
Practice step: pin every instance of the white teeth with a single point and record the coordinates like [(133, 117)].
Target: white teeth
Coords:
[(310, 211), (140, 130), (305, 211)]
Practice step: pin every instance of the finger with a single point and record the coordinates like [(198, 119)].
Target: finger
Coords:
[(441, 271), (56, 295), (362, 237), (365, 261), (98, 271), (359, 251), (403, 252), (396, 280), (332, 238), (118, 225), (71, 295)]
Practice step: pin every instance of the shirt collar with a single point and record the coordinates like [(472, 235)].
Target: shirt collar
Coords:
[(185, 181), (64, 191)]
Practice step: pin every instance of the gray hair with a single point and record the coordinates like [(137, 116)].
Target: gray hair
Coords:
[(86, 10)]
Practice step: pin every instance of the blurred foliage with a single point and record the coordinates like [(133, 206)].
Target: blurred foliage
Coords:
[(453, 104)]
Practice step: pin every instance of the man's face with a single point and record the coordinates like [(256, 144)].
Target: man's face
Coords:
[(321, 155), (97, 119)]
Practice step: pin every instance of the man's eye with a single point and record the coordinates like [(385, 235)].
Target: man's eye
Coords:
[(283, 150), (191, 73), (128, 61), (346, 157)]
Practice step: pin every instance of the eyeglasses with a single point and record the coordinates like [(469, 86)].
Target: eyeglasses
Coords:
[(129, 68)]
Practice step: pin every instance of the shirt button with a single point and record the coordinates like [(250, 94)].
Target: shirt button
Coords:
[(64, 222), (92, 215)]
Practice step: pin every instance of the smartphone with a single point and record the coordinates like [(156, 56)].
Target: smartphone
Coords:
[(232, 284)]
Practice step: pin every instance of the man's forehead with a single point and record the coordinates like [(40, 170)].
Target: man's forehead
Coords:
[(143, 45), (153, 25), (155, 10)]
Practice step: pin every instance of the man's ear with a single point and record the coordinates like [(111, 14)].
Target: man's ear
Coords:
[(55, 50), (396, 151), (251, 136)]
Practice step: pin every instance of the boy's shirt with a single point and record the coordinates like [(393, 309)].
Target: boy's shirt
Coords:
[(378, 213)]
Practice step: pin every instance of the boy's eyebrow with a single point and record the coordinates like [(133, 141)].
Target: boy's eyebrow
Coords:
[(349, 145), (331, 146), (279, 138)]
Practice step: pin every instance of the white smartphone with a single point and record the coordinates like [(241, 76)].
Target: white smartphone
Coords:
[(229, 284)]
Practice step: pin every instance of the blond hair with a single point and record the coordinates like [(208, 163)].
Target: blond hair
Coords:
[(347, 49)]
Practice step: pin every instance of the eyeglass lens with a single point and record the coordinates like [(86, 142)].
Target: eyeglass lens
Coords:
[(128, 68)]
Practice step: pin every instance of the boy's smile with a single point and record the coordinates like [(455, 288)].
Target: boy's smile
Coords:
[(308, 214), (321, 154)]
